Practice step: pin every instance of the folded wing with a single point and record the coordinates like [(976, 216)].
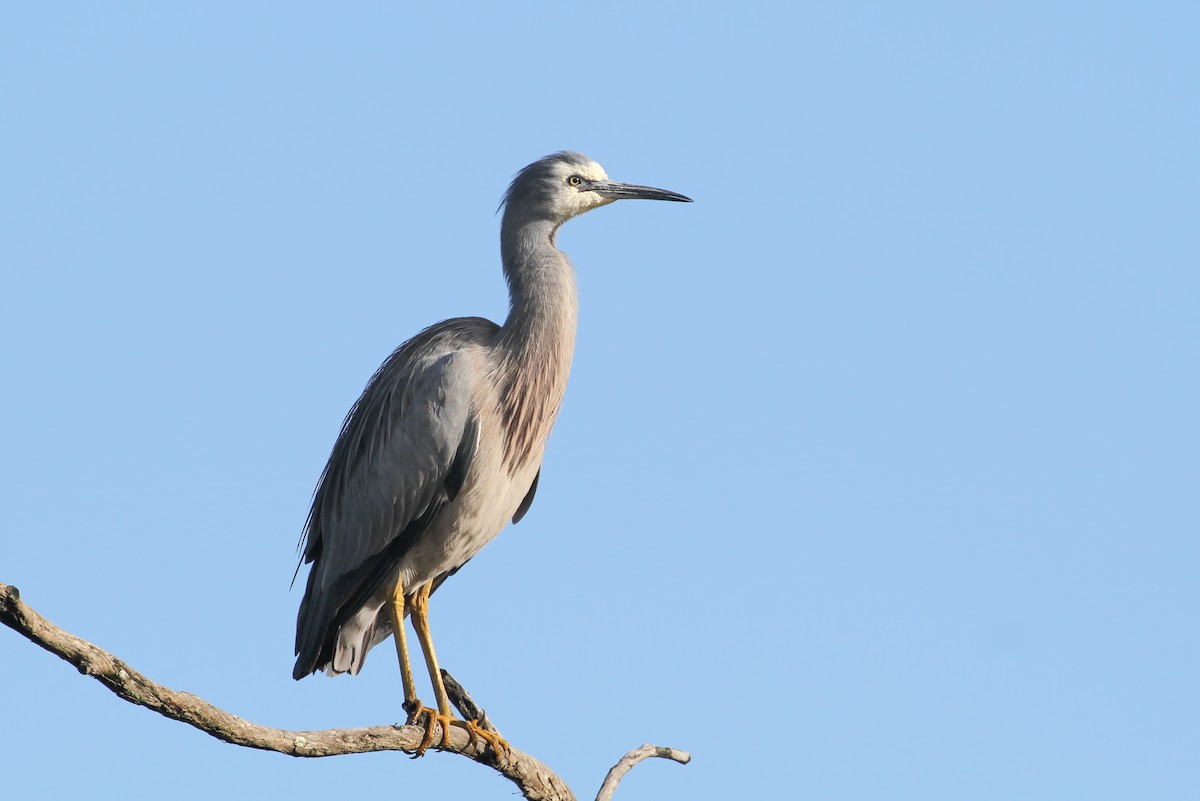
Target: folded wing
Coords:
[(403, 453)]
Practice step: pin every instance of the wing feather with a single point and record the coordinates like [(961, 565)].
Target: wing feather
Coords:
[(527, 501), (403, 453)]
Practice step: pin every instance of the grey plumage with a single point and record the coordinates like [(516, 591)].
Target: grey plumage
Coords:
[(445, 444), (400, 457)]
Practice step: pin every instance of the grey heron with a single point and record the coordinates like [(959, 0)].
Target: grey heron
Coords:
[(445, 444)]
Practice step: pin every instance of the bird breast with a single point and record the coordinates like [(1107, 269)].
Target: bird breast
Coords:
[(516, 409)]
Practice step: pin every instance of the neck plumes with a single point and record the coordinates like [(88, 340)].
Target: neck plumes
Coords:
[(537, 340)]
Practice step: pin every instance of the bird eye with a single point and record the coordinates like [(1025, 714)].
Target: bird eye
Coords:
[(574, 180)]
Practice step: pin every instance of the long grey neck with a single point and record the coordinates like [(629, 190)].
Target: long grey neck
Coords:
[(543, 304), (537, 340)]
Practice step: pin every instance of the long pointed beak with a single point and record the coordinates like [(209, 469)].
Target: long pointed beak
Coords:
[(619, 191)]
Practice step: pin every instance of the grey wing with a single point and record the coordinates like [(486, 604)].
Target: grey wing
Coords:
[(403, 453)]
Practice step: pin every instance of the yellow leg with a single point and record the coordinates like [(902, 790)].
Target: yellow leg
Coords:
[(420, 618), (412, 705), (410, 688), (419, 608)]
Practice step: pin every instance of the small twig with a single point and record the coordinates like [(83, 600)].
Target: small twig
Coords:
[(632, 758)]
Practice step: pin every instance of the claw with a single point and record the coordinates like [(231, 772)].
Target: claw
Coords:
[(432, 718), (414, 708), (499, 745)]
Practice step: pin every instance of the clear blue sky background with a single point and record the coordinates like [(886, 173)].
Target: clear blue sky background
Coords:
[(877, 475)]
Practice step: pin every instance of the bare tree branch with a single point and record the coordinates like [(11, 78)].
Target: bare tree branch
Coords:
[(536, 781), (618, 771)]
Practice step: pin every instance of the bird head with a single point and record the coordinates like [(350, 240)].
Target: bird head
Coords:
[(566, 184)]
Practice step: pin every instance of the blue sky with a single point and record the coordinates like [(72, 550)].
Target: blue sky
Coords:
[(877, 473)]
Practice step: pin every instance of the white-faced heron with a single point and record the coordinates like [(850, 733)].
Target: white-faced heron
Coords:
[(445, 445)]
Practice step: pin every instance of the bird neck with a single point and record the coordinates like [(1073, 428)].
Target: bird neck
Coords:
[(537, 340), (543, 304)]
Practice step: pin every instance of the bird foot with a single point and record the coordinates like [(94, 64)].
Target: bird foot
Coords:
[(499, 745), (432, 718)]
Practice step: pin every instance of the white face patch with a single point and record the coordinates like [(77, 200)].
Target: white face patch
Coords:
[(592, 172), (575, 201)]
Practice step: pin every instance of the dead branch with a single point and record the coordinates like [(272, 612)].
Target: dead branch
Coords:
[(535, 781), (626, 763)]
